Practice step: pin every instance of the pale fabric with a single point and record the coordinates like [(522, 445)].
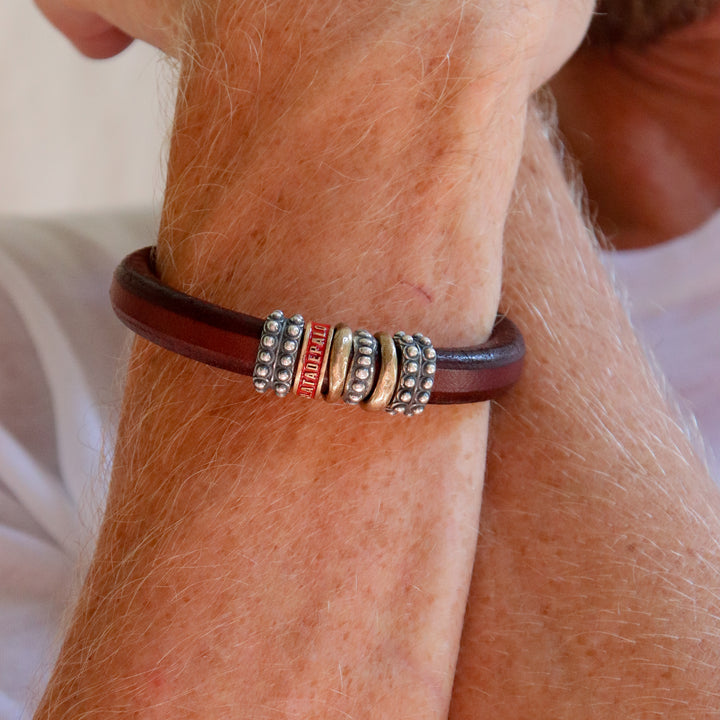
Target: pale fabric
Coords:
[(60, 350), (75, 133), (674, 295)]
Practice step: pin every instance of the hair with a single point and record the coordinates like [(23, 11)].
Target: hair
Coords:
[(642, 21)]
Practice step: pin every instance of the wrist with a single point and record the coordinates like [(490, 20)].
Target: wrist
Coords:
[(374, 195)]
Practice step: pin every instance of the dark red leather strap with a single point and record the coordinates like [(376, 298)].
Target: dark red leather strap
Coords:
[(227, 339)]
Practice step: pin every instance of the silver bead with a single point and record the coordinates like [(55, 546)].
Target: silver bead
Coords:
[(415, 379), (267, 351), (285, 365), (361, 375), (274, 368)]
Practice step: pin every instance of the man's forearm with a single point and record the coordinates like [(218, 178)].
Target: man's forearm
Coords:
[(279, 557), (347, 158), (596, 584)]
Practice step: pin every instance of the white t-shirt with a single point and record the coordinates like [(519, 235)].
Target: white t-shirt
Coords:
[(60, 360)]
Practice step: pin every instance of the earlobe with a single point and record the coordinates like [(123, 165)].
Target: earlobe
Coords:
[(104, 29), (92, 35), (105, 44), (565, 32)]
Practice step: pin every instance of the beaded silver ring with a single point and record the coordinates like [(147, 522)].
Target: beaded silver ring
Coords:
[(264, 371), (277, 353), (417, 361), (288, 354), (361, 374)]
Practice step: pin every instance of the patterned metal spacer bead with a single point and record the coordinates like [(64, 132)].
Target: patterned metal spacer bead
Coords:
[(277, 353), (428, 366), (264, 371), (361, 374), (287, 355), (417, 362), (339, 361), (313, 360), (387, 375)]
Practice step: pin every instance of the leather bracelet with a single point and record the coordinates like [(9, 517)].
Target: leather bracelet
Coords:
[(252, 346)]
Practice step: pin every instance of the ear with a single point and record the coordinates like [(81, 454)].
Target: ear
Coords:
[(89, 33)]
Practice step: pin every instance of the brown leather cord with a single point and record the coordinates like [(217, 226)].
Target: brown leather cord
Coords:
[(229, 340)]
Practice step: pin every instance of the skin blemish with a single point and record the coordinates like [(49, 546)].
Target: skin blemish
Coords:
[(419, 289), (156, 680)]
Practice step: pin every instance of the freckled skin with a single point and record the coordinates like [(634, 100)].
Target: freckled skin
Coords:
[(593, 592), (235, 561)]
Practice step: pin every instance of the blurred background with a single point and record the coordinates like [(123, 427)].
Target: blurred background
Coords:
[(77, 134), (81, 178)]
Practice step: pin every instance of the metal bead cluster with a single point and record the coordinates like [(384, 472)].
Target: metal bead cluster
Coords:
[(277, 354), (417, 365), (361, 374), (377, 372)]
